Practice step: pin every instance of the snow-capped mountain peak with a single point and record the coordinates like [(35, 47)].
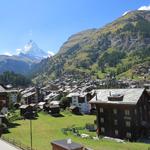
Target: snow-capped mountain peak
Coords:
[(32, 51)]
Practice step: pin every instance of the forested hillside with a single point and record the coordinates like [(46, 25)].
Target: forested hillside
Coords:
[(14, 79), (119, 48)]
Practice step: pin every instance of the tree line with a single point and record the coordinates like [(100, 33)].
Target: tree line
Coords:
[(16, 80)]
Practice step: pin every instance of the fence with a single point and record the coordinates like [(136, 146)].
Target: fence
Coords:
[(17, 143)]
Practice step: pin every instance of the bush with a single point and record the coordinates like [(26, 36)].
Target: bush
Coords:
[(64, 102), (14, 116)]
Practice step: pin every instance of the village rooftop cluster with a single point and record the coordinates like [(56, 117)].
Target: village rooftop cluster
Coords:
[(121, 113)]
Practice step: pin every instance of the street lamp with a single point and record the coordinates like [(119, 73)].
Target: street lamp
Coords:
[(29, 115), (31, 132)]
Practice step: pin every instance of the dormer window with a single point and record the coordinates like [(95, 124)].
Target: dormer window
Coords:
[(115, 97)]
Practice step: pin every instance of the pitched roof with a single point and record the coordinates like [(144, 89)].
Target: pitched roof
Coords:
[(24, 106), (27, 90), (2, 89), (77, 94), (130, 96), (28, 94)]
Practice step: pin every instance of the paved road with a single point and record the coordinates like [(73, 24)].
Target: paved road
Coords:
[(5, 146)]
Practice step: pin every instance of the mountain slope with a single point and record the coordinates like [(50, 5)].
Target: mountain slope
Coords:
[(24, 61), (16, 80), (115, 49), (16, 64)]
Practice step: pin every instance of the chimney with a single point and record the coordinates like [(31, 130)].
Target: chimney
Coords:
[(96, 96), (109, 93), (69, 141)]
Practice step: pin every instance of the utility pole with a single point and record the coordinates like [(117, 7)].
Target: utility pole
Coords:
[(31, 132), (29, 115)]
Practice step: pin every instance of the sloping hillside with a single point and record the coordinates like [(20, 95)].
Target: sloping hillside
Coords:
[(117, 49), (16, 64)]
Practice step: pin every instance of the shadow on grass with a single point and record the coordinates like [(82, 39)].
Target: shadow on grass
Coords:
[(78, 114), (6, 131), (57, 115), (10, 125), (13, 125)]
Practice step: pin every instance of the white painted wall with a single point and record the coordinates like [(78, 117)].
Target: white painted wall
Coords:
[(84, 107)]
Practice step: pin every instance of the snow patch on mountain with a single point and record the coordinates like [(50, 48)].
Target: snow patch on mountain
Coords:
[(125, 13), (146, 8), (7, 54), (51, 53), (32, 51)]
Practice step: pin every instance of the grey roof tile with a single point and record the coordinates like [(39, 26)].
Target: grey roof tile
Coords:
[(130, 96)]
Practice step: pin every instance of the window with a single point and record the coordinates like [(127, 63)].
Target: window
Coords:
[(102, 120), (127, 112), (81, 100), (116, 132), (128, 124), (135, 112), (74, 101), (140, 109), (115, 111), (102, 130), (115, 122), (128, 135), (101, 110), (74, 97)]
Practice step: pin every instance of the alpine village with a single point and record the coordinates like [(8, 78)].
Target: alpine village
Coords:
[(93, 94)]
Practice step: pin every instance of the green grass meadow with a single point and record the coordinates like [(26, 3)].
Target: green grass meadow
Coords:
[(47, 128)]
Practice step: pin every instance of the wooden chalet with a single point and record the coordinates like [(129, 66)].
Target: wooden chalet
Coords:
[(74, 109), (123, 113), (30, 97), (24, 109), (52, 109), (6, 98), (28, 109), (3, 97)]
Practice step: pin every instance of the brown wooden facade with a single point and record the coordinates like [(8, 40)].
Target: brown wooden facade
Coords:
[(3, 100), (125, 121)]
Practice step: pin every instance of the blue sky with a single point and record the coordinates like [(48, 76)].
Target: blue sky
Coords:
[(50, 22)]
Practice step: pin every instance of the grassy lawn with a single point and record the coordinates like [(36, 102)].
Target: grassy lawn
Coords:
[(47, 129)]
